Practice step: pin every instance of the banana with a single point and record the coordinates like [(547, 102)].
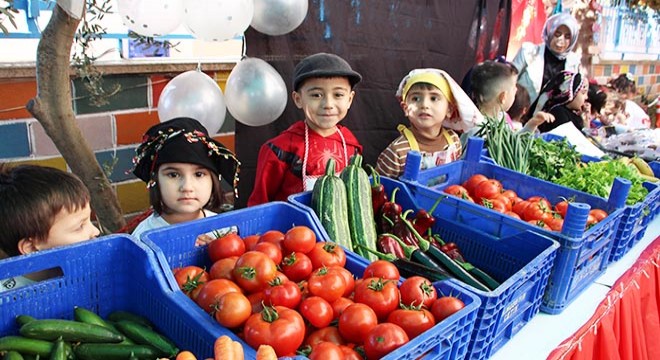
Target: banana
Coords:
[(642, 166), (648, 178)]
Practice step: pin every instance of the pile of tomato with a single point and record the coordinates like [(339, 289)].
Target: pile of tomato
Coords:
[(293, 293), (536, 210)]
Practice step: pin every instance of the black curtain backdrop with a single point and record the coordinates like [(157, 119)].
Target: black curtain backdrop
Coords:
[(383, 40)]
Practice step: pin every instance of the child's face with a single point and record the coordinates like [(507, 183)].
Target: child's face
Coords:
[(509, 89), (426, 108), (325, 102), (68, 228), (578, 100), (184, 188), (561, 39)]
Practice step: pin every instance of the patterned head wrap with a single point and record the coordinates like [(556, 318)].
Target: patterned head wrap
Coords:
[(560, 90)]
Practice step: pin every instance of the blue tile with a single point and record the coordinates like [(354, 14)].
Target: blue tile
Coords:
[(14, 140), (652, 69), (640, 80), (632, 68), (607, 70), (118, 162)]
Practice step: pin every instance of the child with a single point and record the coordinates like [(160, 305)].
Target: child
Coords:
[(494, 90), (41, 208), (182, 166), (563, 97), (636, 117), (519, 107), (292, 161), (437, 109)]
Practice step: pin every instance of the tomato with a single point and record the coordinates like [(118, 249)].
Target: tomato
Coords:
[(339, 305), (212, 291), (381, 295), (457, 190), (349, 279), (280, 276), (412, 321), (327, 284), (280, 293), (253, 271), (279, 327), (541, 199), (591, 221), (250, 241), (327, 254), (555, 223), (562, 207), (487, 190), (383, 339), (598, 214), (541, 223), (299, 239), (190, 280), (445, 306), (222, 268), (233, 309), (349, 353), (328, 333), (317, 311), (510, 194), (296, 266), (507, 201), (382, 269), (226, 246), (520, 207), (471, 184), (272, 250), (356, 321), (494, 204), (417, 290), (185, 355), (257, 301), (274, 236), (537, 210), (326, 350), (512, 214)]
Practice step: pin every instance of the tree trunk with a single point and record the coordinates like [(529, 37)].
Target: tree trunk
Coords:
[(52, 107)]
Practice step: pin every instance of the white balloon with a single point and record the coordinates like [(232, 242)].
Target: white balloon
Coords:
[(195, 95), (151, 17), (278, 17), (217, 20), (255, 93)]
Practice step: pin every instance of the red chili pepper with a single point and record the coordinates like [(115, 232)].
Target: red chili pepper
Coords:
[(389, 245), (390, 213), (378, 194), (403, 232), (424, 220)]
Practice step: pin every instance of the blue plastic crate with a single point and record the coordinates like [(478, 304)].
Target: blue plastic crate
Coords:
[(522, 263), (173, 246), (582, 256), (102, 275)]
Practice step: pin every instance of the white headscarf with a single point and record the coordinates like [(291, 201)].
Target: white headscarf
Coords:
[(553, 23)]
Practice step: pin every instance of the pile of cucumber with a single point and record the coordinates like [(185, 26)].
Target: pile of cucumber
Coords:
[(123, 335)]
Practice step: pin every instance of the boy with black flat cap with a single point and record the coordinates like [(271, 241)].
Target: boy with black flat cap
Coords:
[(292, 161)]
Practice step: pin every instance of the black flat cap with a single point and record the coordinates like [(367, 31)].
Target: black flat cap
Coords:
[(324, 65)]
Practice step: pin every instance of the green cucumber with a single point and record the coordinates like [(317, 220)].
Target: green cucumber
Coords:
[(24, 319), (455, 269), (25, 345), (90, 351), (145, 336), (361, 221), (330, 205), (89, 317), (59, 351), (73, 331), (126, 315), (12, 355)]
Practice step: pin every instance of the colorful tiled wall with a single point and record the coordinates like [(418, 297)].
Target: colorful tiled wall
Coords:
[(646, 75), (113, 131)]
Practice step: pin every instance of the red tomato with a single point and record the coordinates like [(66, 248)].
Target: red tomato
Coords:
[(457, 190), (446, 306), (257, 301), (253, 271), (328, 333), (537, 210), (327, 254), (280, 293), (541, 223), (382, 269), (507, 201), (520, 207), (296, 266), (471, 184), (233, 309), (598, 214), (383, 339), (339, 305), (487, 190), (222, 268), (561, 208), (226, 246), (555, 223), (510, 194), (356, 321), (494, 204), (274, 236), (416, 291), (326, 350), (327, 284), (317, 311), (299, 238), (190, 280), (412, 321), (512, 214), (250, 241), (272, 250), (279, 327), (591, 221), (349, 353), (212, 291), (381, 295), (349, 279), (545, 201)]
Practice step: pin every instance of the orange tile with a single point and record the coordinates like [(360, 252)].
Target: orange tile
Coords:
[(616, 70), (220, 77), (131, 127), (227, 140), (15, 95), (133, 197), (158, 83), (598, 71)]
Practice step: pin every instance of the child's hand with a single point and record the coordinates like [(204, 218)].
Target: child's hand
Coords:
[(540, 118), (203, 240)]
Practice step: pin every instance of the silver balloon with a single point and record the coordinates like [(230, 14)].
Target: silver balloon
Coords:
[(195, 95), (255, 92), (151, 17), (217, 20), (278, 17)]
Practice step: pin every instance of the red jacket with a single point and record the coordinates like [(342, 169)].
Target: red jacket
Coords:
[(279, 165)]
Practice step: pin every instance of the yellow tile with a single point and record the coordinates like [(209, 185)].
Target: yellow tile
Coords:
[(133, 196), (623, 69), (56, 162)]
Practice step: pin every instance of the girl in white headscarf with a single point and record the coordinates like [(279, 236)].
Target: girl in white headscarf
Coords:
[(538, 63)]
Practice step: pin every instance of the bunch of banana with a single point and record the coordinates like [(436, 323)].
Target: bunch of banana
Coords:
[(642, 167)]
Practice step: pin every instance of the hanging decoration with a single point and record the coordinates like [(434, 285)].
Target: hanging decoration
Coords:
[(151, 17), (278, 17), (217, 20)]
